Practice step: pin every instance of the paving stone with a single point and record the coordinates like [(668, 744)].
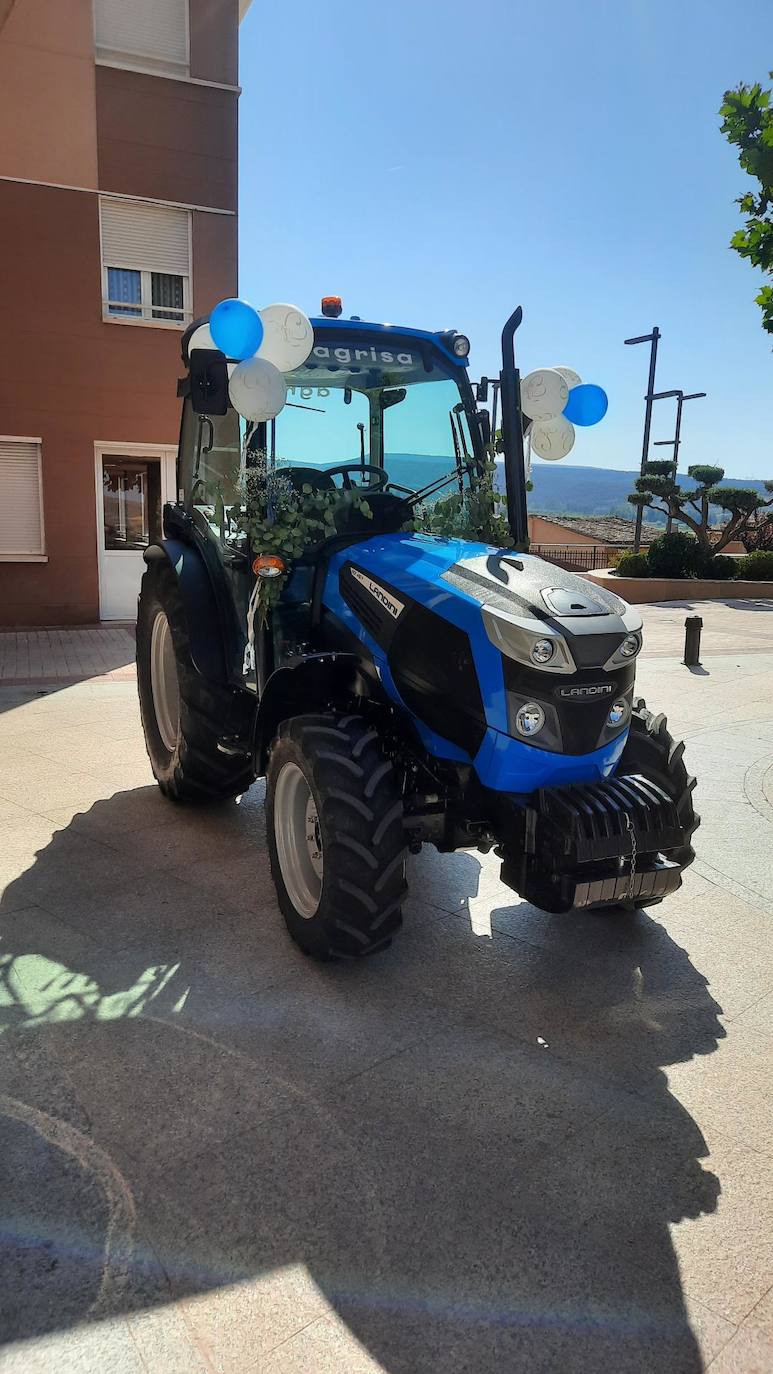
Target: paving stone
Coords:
[(748, 1352), (726, 1259), (86, 1350), (326, 1347)]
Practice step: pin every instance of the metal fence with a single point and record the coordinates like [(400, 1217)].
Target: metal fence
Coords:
[(574, 557)]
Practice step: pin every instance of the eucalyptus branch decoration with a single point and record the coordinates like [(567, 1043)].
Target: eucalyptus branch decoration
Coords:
[(473, 514), (282, 520)]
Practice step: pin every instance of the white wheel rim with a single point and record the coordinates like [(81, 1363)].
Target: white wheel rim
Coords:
[(298, 840), (163, 682)]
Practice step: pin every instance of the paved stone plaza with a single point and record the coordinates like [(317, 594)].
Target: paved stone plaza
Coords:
[(512, 1142)]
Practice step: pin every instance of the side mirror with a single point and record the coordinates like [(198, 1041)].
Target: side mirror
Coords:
[(481, 390), (208, 382)]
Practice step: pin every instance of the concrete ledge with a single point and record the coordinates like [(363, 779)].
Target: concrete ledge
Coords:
[(644, 589)]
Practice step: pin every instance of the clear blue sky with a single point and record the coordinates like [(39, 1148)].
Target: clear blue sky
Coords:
[(437, 164)]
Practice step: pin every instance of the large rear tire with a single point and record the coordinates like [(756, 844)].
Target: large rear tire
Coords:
[(335, 835), (184, 716)]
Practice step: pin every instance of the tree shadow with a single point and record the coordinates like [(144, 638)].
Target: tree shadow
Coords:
[(465, 1147)]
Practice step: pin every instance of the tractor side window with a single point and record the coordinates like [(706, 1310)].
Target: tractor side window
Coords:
[(210, 471)]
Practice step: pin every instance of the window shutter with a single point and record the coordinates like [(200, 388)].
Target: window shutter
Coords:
[(21, 524), (155, 31), (152, 238)]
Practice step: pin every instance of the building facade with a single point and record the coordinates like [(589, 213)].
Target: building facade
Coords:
[(118, 222)]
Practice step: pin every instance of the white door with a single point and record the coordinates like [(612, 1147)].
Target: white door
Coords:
[(132, 486)]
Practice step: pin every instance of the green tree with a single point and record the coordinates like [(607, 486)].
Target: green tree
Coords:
[(657, 489), (747, 122)]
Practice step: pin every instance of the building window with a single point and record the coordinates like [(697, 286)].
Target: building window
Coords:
[(146, 275), (21, 501), (145, 33)]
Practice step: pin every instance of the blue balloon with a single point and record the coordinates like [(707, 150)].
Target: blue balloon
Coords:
[(236, 329), (587, 405)]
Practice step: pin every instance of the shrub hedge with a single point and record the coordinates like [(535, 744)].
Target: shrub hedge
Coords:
[(632, 565), (758, 566)]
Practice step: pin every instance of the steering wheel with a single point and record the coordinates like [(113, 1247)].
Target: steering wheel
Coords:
[(345, 468)]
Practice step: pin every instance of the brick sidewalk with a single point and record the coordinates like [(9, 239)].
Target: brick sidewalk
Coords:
[(38, 658)]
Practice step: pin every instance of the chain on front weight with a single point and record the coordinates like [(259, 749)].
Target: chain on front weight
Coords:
[(632, 876)]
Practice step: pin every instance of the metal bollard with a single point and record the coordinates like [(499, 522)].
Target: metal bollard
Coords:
[(692, 640)]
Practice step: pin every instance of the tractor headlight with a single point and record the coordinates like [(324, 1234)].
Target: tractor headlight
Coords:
[(460, 345), (543, 650), (617, 712), (526, 640), (529, 719), (625, 652)]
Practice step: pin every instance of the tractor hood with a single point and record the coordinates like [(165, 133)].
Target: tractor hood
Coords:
[(510, 587), (465, 635)]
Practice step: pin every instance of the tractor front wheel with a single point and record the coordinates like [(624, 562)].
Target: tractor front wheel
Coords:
[(335, 835), (652, 751)]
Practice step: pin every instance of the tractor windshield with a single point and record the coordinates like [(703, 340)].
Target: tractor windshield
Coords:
[(403, 412)]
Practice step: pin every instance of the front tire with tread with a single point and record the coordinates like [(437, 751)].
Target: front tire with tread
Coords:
[(355, 791), (652, 750)]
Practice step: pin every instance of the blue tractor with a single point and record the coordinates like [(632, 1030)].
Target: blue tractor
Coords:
[(412, 676)]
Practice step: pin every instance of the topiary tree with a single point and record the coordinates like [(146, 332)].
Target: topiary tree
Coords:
[(658, 489), (747, 122)]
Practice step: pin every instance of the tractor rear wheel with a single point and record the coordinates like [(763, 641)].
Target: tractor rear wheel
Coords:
[(652, 750), (335, 835), (183, 714)]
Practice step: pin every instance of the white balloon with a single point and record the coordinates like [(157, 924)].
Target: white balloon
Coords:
[(544, 394), (552, 439), (201, 338), (257, 389), (569, 375), (288, 336)]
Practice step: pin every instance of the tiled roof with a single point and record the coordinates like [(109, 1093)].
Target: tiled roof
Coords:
[(608, 529)]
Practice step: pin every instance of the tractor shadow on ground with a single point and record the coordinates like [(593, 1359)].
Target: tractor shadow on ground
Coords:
[(463, 1150)]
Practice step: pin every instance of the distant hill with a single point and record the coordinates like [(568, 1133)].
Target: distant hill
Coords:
[(560, 489)]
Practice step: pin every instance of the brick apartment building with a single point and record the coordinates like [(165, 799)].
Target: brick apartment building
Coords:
[(118, 223)]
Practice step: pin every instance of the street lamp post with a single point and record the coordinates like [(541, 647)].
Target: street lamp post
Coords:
[(652, 340), (659, 443)]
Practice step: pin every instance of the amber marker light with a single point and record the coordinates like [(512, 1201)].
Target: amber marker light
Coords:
[(269, 565)]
